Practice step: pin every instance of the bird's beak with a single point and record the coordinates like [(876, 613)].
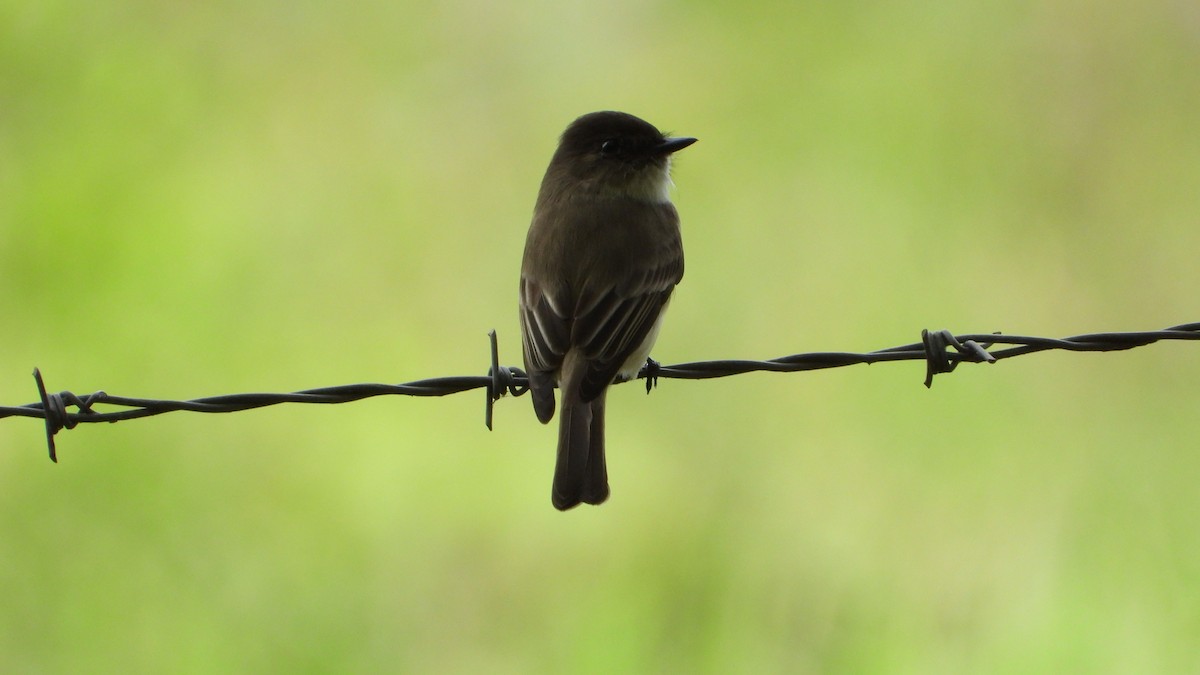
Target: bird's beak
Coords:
[(674, 144)]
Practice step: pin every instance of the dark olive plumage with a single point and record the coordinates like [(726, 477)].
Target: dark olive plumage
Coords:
[(602, 257)]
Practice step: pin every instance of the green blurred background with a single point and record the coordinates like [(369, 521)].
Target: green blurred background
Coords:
[(208, 198)]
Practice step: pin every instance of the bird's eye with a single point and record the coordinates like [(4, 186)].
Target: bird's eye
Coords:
[(610, 147)]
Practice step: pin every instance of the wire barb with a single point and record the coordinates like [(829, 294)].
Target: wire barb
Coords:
[(937, 358), (503, 381), (941, 351), (54, 410)]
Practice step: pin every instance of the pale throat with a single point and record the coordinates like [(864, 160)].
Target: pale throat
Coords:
[(653, 184)]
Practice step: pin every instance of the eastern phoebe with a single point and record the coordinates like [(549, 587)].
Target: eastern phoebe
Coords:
[(602, 257)]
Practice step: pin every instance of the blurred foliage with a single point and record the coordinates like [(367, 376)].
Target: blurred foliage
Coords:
[(220, 197)]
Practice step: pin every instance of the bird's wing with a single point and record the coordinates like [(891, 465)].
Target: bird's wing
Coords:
[(545, 338), (585, 308), (612, 323)]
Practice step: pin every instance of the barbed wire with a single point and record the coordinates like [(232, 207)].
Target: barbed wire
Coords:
[(941, 350)]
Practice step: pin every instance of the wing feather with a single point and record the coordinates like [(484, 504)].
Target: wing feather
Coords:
[(605, 305)]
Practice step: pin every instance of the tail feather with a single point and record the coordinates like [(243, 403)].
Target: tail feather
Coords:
[(595, 482), (570, 468), (580, 474), (579, 471)]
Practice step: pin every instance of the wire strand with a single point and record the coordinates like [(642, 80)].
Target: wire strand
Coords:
[(941, 350)]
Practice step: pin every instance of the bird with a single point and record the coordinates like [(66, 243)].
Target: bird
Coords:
[(603, 255)]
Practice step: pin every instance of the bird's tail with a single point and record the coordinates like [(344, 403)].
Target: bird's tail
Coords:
[(580, 474)]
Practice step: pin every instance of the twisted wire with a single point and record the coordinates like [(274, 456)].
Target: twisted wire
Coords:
[(941, 350)]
